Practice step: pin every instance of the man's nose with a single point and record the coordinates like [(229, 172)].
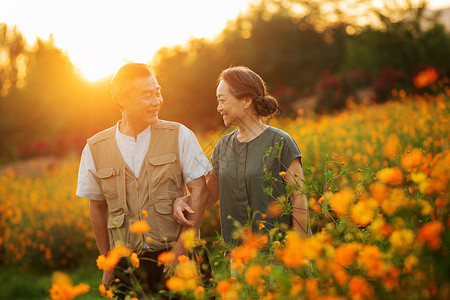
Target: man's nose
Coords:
[(154, 100), (219, 107)]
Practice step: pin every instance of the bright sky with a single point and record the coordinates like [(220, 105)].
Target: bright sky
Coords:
[(101, 35)]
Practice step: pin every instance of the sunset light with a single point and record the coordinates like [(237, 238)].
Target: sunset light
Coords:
[(99, 36)]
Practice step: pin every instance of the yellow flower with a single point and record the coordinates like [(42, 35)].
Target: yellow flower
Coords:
[(340, 201), (422, 180), (410, 262), (253, 274), (187, 270), (139, 227), (189, 239), (282, 173), (402, 239)]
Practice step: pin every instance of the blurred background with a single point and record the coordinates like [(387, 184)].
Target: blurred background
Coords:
[(361, 83), (314, 55)]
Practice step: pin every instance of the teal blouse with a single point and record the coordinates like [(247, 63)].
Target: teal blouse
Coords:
[(239, 168)]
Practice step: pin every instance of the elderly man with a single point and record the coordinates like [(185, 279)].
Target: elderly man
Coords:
[(142, 164)]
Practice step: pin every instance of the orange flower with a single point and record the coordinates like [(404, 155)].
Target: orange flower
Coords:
[(292, 255), (253, 274), (364, 211), (345, 254), (391, 278), (390, 175), (62, 288), (297, 286), (144, 213), (109, 294), (139, 227), (340, 201), (199, 292), (426, 77), (175, 284), (183, 259), (378, 191), (370, 258), (223, 287), (274, 209), (392, 145), (148, 240), (430, 234), (412, 159), (248, 250), (134, 260), (109, 262), (102, 289), (166, 257), (360, 288), (311, 288)]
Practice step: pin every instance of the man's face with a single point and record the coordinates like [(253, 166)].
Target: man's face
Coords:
[(144, 101)]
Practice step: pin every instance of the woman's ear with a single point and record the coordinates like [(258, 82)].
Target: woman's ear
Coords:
[(247, 101)]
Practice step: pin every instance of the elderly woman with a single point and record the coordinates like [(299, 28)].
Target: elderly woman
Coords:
[(239, 158)]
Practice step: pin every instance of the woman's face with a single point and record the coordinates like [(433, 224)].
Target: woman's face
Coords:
[(231, 108)]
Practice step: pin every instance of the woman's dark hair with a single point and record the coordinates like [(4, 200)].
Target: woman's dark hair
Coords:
[(245, 83)]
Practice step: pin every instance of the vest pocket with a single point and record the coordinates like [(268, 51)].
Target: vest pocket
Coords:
[(167, 226), (163, 167), (116, 228), (108, 181)]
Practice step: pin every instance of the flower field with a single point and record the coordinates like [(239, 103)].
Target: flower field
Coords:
[(377, 180)]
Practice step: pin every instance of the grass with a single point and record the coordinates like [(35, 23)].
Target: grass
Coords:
[(18, 283)]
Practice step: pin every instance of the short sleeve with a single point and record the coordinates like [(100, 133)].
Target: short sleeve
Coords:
[(88, 183), (290, 151), (192, 158)]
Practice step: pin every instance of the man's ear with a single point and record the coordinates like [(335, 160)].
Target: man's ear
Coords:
[(120, 100)]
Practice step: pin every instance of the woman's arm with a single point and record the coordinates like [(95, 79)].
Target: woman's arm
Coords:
[(298, 200), (184, 204)]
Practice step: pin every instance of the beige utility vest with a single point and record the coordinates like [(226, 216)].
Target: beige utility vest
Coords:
[(159, 183)]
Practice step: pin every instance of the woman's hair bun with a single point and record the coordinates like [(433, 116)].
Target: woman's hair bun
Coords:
[(266, 106)]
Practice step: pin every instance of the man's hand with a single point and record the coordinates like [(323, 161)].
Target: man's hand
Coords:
[(179, 207), (108, 277)]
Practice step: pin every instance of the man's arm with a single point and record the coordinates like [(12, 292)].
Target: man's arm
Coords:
[(299, 202), (198, 196), (99, 219), (185, 204)]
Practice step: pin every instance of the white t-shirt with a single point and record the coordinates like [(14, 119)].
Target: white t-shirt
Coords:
[(193, 161)]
